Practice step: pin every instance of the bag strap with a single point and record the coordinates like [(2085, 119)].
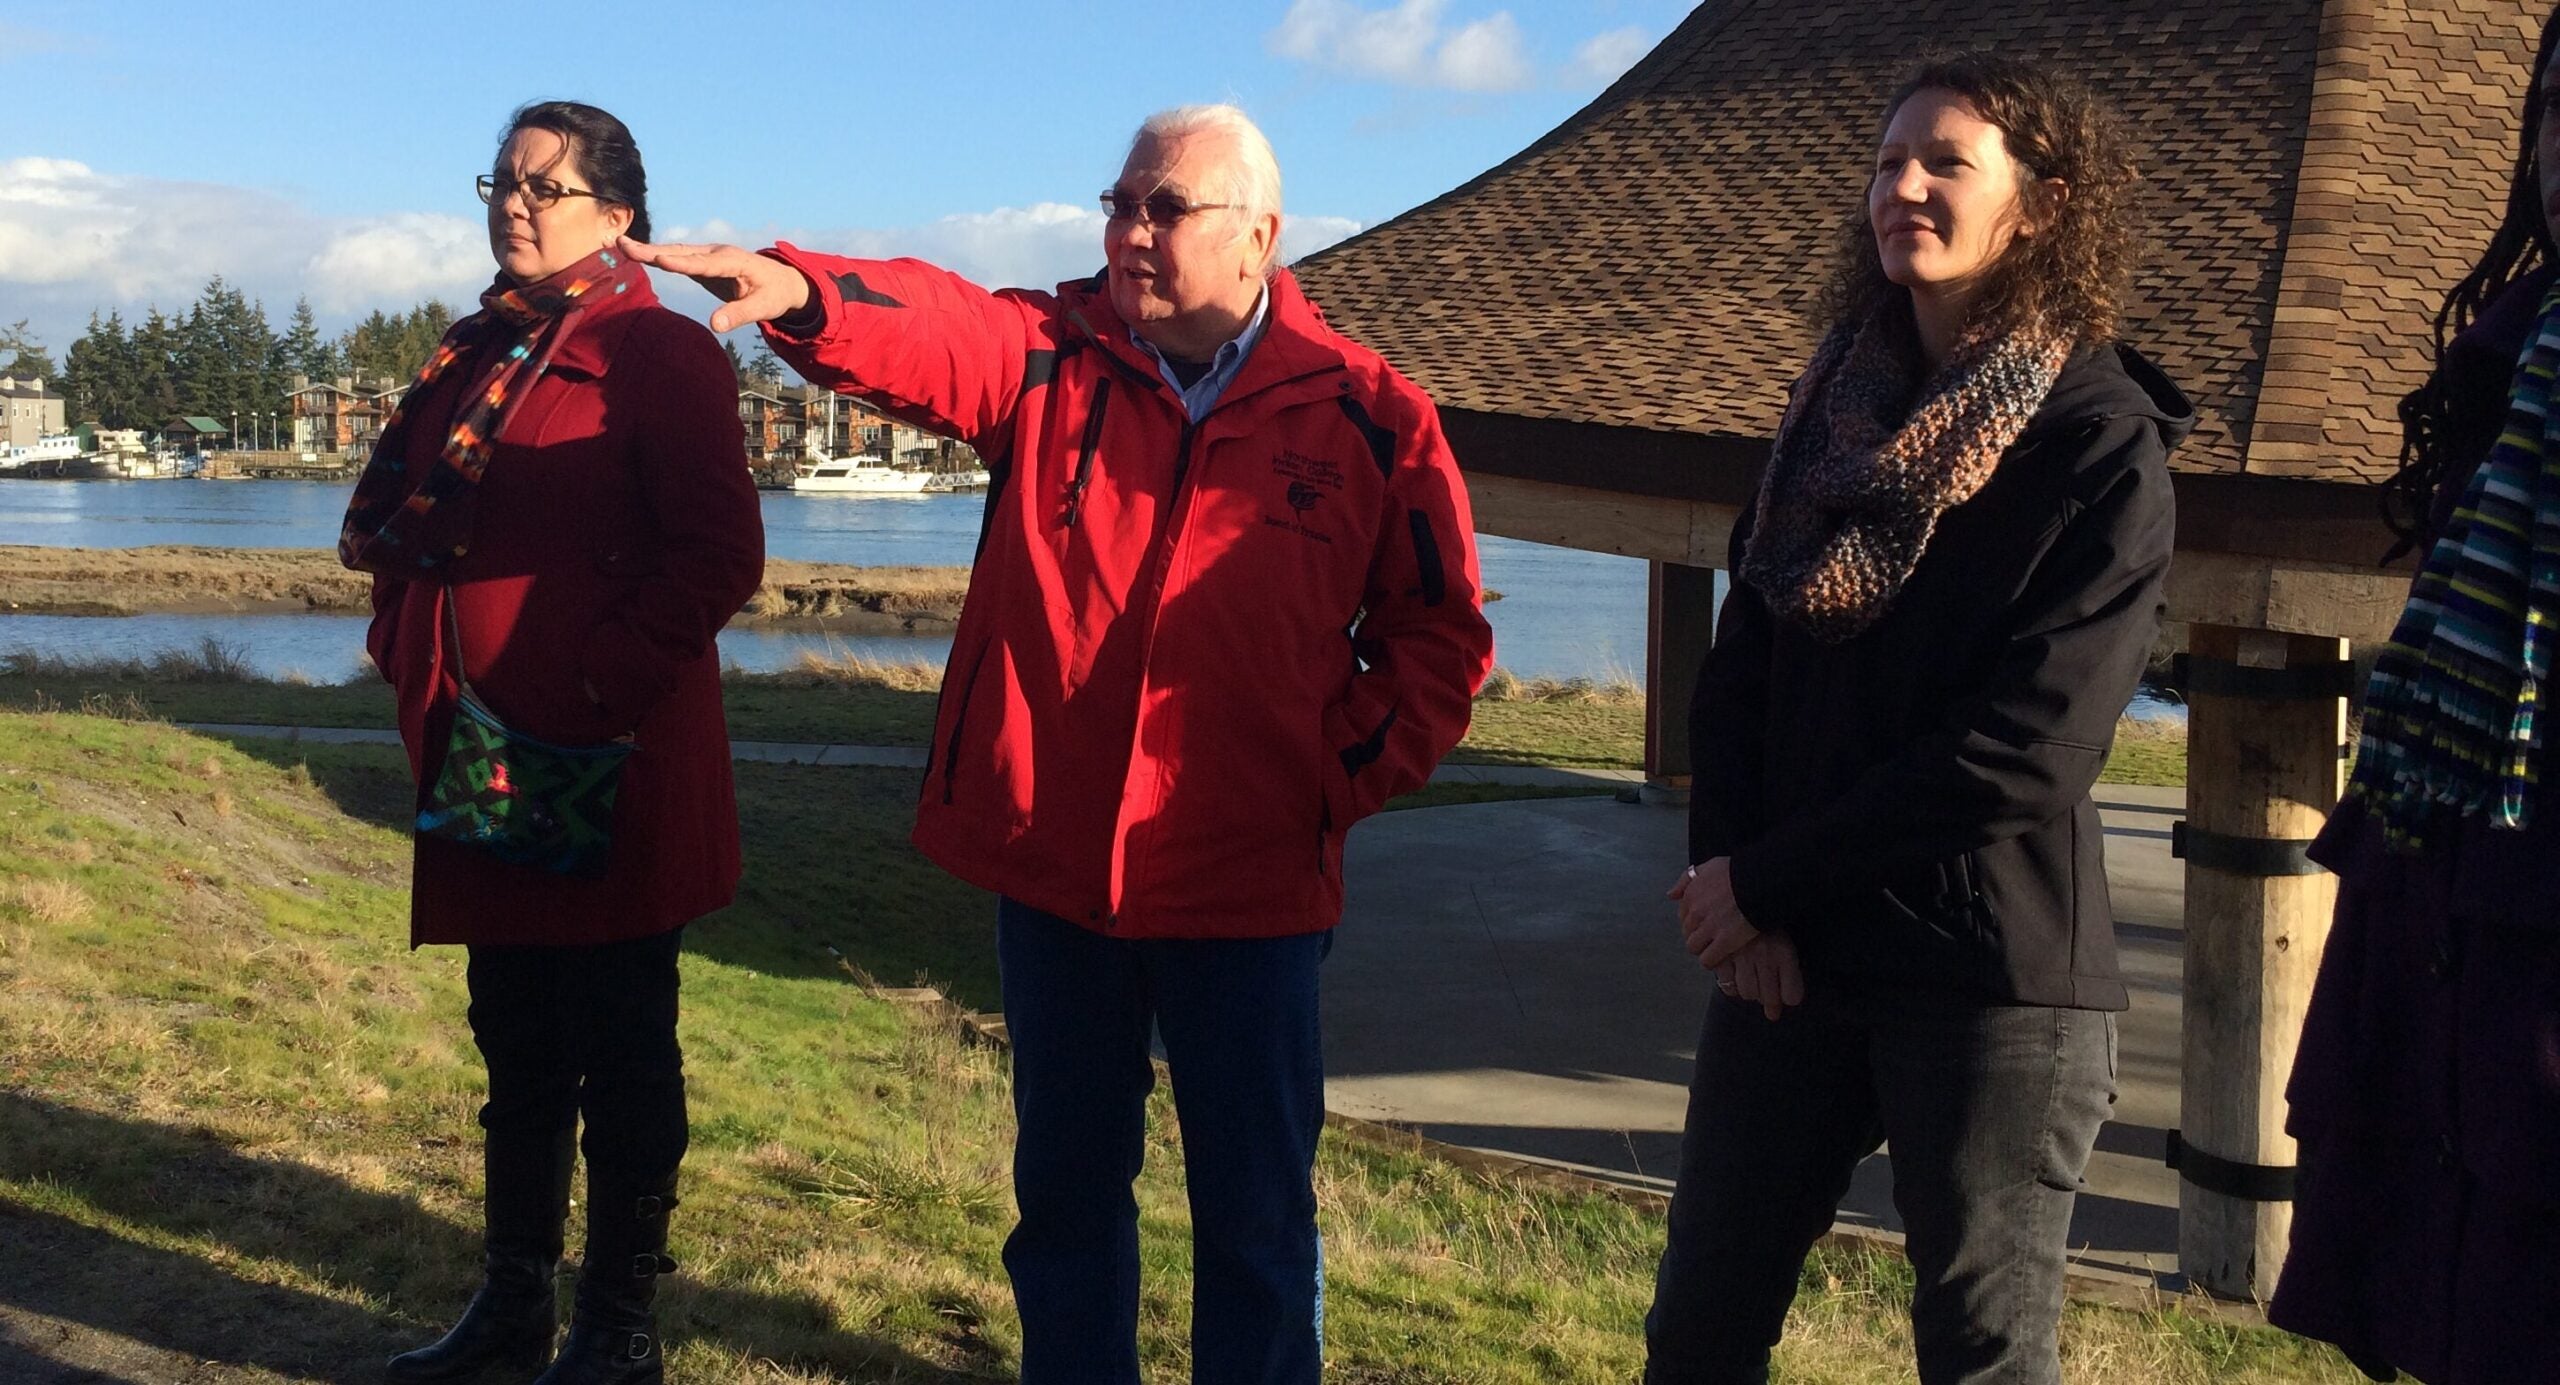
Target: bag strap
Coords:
[(452, 622)]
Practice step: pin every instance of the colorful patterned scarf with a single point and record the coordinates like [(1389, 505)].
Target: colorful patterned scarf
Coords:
[(407, 526), (1861, 469), (2449, 715)]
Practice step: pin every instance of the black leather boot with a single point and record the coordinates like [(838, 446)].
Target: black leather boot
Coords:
[(511, 1321), (613, 1338)]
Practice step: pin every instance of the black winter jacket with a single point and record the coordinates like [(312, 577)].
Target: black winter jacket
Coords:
[(1912, 806)]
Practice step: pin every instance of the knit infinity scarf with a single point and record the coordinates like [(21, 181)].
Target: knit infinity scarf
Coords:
[(1862, 469), (407, 525), (2449, 719)]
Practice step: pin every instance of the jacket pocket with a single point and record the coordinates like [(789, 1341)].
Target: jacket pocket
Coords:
[(948, 755)]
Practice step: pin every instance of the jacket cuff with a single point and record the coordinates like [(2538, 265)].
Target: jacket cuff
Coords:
[(811, 321)]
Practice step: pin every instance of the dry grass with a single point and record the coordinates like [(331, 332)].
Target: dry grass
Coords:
[(55, 903), (209, 662), (838, 667), (1613, 688), (797, 590), (38, 580)]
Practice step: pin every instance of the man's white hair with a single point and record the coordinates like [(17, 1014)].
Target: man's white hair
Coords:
[(1251, 175)]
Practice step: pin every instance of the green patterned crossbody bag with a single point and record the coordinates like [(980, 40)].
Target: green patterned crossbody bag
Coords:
[(523, 800)]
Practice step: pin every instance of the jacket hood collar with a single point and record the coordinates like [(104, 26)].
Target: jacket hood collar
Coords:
[(2110, 381)]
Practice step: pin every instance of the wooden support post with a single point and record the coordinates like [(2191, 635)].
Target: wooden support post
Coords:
[(2266, 724), (1680, 623)]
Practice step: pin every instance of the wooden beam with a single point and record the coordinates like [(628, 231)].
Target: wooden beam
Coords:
[(2263, 771), (1639, 526), (2284, 595), (2288, 595)]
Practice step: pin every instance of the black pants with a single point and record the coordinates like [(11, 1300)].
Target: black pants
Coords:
[(584, 1031), (1991, 1113)]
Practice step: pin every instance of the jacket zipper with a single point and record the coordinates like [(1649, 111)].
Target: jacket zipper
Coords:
[(1084, 453), (1177, 510)]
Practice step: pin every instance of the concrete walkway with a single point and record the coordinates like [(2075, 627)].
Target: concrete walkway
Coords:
[(1509, 978), (912, 756)]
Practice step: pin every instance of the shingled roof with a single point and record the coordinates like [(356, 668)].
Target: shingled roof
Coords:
[(2321, 171)]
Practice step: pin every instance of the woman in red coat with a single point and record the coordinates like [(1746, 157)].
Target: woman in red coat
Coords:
[(563, 498)]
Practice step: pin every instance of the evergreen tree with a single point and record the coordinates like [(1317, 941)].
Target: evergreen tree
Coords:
[(737, 363), (22, 356), (762, 367), (155, 371), (306, 352), (90, 388)]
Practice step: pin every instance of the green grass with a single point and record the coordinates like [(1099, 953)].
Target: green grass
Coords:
[(235, 1119), (2148, 753)]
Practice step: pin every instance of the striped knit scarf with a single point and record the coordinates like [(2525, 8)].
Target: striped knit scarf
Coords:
[(1861, 469), (2449, 718), (406, 525)]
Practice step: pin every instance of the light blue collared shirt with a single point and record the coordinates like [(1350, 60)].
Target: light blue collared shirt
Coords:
[(1202, 395)]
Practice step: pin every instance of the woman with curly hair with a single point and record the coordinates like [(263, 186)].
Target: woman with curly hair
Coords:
[(2426, 1093), (1944, 595)]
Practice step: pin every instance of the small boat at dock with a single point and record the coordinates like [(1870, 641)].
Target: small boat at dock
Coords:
[(860, 475)]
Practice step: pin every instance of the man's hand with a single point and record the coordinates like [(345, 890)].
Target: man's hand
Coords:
[(1766, 971), (756, 288), (1711, 923)]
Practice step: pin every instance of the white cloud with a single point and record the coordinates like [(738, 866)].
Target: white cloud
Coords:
[(74, 240), (1394, 43), (1412, 43), (399, 259), (1605, 57), (1486, 55)]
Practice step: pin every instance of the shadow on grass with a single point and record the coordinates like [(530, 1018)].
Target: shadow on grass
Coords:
[(191, 1184), (828, 866)]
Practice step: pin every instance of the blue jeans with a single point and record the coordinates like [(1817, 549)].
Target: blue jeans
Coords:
[(1991, 1111), (1238, 1020)]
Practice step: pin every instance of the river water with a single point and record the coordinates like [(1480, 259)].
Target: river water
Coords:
[(1563, 613)]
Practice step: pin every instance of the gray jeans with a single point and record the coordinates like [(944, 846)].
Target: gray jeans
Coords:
[(1991, 1113)]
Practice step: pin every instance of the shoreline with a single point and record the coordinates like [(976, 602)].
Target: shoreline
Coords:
[(188, 579)]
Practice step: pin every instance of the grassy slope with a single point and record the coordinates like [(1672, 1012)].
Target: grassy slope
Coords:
[(235, 1118)]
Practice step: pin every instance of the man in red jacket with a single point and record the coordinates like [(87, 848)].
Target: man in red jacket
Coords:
[(1225, 605)]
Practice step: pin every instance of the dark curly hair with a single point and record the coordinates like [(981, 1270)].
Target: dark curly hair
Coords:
[(2073, 274), (2521, 246)]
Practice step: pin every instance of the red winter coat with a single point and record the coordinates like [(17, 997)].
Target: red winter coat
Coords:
[(615, 532), (1158, 719)]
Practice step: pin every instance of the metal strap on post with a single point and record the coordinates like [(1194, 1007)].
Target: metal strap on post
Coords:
[(2266, 857), (2229, 1177), (2203, 675)]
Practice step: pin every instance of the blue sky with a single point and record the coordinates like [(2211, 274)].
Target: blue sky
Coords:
[(328, 149)]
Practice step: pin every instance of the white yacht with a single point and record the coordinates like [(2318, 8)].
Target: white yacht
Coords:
[(859, 475)]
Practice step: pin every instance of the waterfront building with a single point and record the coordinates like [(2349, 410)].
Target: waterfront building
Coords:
[(29, 409), (342, 417)]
